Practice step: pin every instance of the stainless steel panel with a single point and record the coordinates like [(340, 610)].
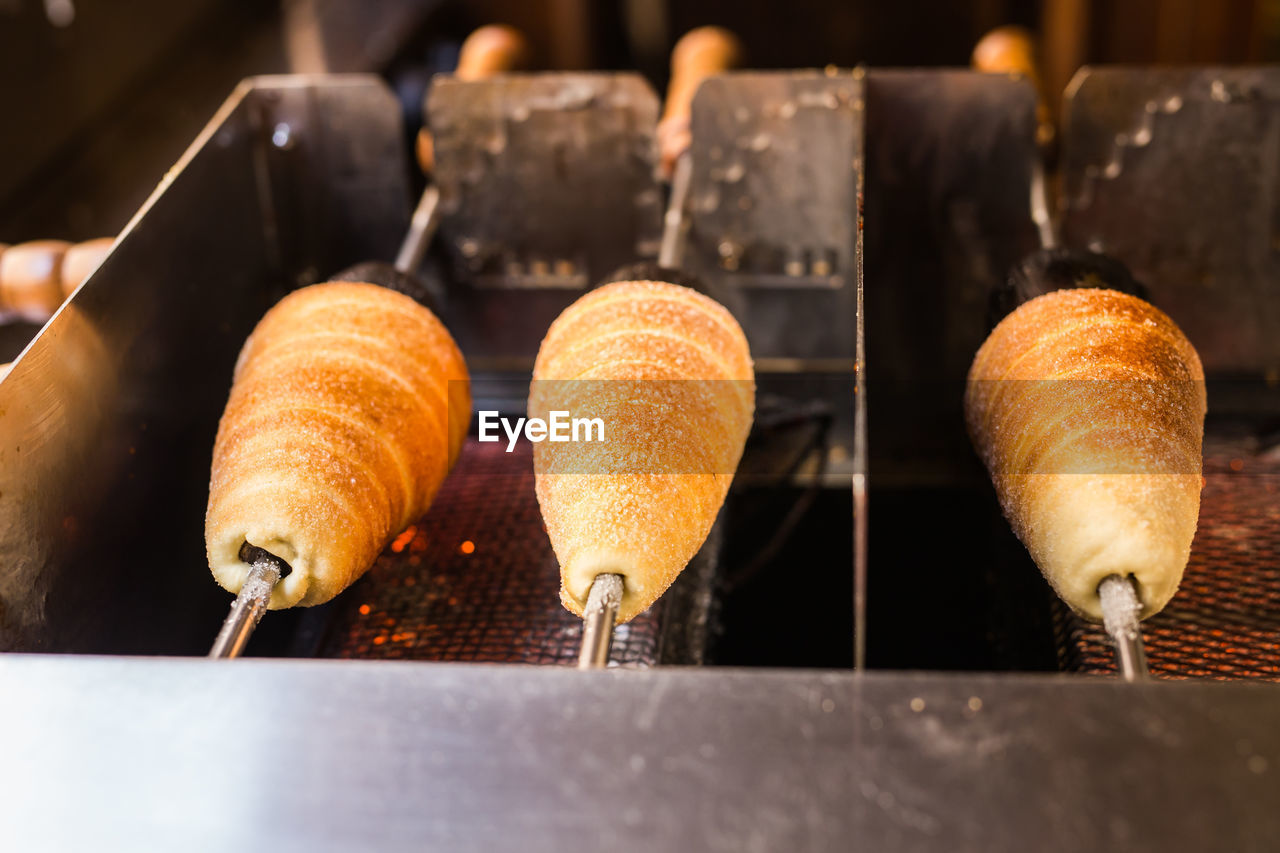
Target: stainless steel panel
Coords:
[(107, 420), (947, 213), (113, 754)]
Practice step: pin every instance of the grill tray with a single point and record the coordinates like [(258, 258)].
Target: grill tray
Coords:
[(1224, 622), (476, 580)]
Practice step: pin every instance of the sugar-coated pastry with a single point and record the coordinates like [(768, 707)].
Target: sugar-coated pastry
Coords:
[(668, 372), (350, 404), (1088, 408)]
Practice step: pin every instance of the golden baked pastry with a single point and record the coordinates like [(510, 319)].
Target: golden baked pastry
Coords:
[(668, 372), (349, 405), (1088, 408)]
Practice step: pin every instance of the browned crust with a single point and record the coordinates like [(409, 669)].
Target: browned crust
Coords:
[(645, 525), (1087, 407), (336, 436)]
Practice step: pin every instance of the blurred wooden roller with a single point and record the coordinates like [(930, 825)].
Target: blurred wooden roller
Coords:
[(699, 54), (1088, 408), (36, 277), (487, 52), (31, 277), (81, 260), (641, 503), (349, 406), (1011, 50)]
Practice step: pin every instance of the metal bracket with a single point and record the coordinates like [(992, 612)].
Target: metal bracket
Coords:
[(774, 206), (547, 184), (1176, 173)]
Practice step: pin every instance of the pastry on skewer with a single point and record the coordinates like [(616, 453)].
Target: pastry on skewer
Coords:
[(1088, 408), (349, 406), (668, 372)]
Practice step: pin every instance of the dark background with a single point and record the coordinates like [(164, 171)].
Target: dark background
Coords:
[(100, 97)]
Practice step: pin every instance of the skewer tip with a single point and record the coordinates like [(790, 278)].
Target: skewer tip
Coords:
[(598, 619), (1120, 610), (247, 609)]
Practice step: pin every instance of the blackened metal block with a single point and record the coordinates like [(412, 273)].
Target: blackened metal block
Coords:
[(774, 207), (547, 185), (1176, 173)]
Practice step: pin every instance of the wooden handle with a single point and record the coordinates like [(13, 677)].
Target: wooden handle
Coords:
[(80, 260), (489, 51), (1006, 50), (30, 276), (1011, 50), (35, 277), (700, 54)]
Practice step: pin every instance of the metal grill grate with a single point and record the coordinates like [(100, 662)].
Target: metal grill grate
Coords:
[(475, 580), (1225, 620)]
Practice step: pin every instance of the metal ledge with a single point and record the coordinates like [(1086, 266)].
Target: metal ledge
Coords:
[(107, 753)]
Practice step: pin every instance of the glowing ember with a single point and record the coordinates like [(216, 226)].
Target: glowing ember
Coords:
[(402, 541)]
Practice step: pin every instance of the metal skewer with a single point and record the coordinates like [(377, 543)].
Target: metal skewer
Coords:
[(1046, 228), (698, 55), (250, 604), (1120, 609), (1009, 50), (490, 50), (422, 227), (598, 619), (671, 251)]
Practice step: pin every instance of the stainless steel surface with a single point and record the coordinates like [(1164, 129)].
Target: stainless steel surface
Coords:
[(1175, 173), (422, 228), (773, 208), (859, 479), (1120, 609), (547, 185), (107, 419), (772, 233), (674, 224), (948, 170), (598, 619), (247, 609), (946, 216), (392, 756)]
